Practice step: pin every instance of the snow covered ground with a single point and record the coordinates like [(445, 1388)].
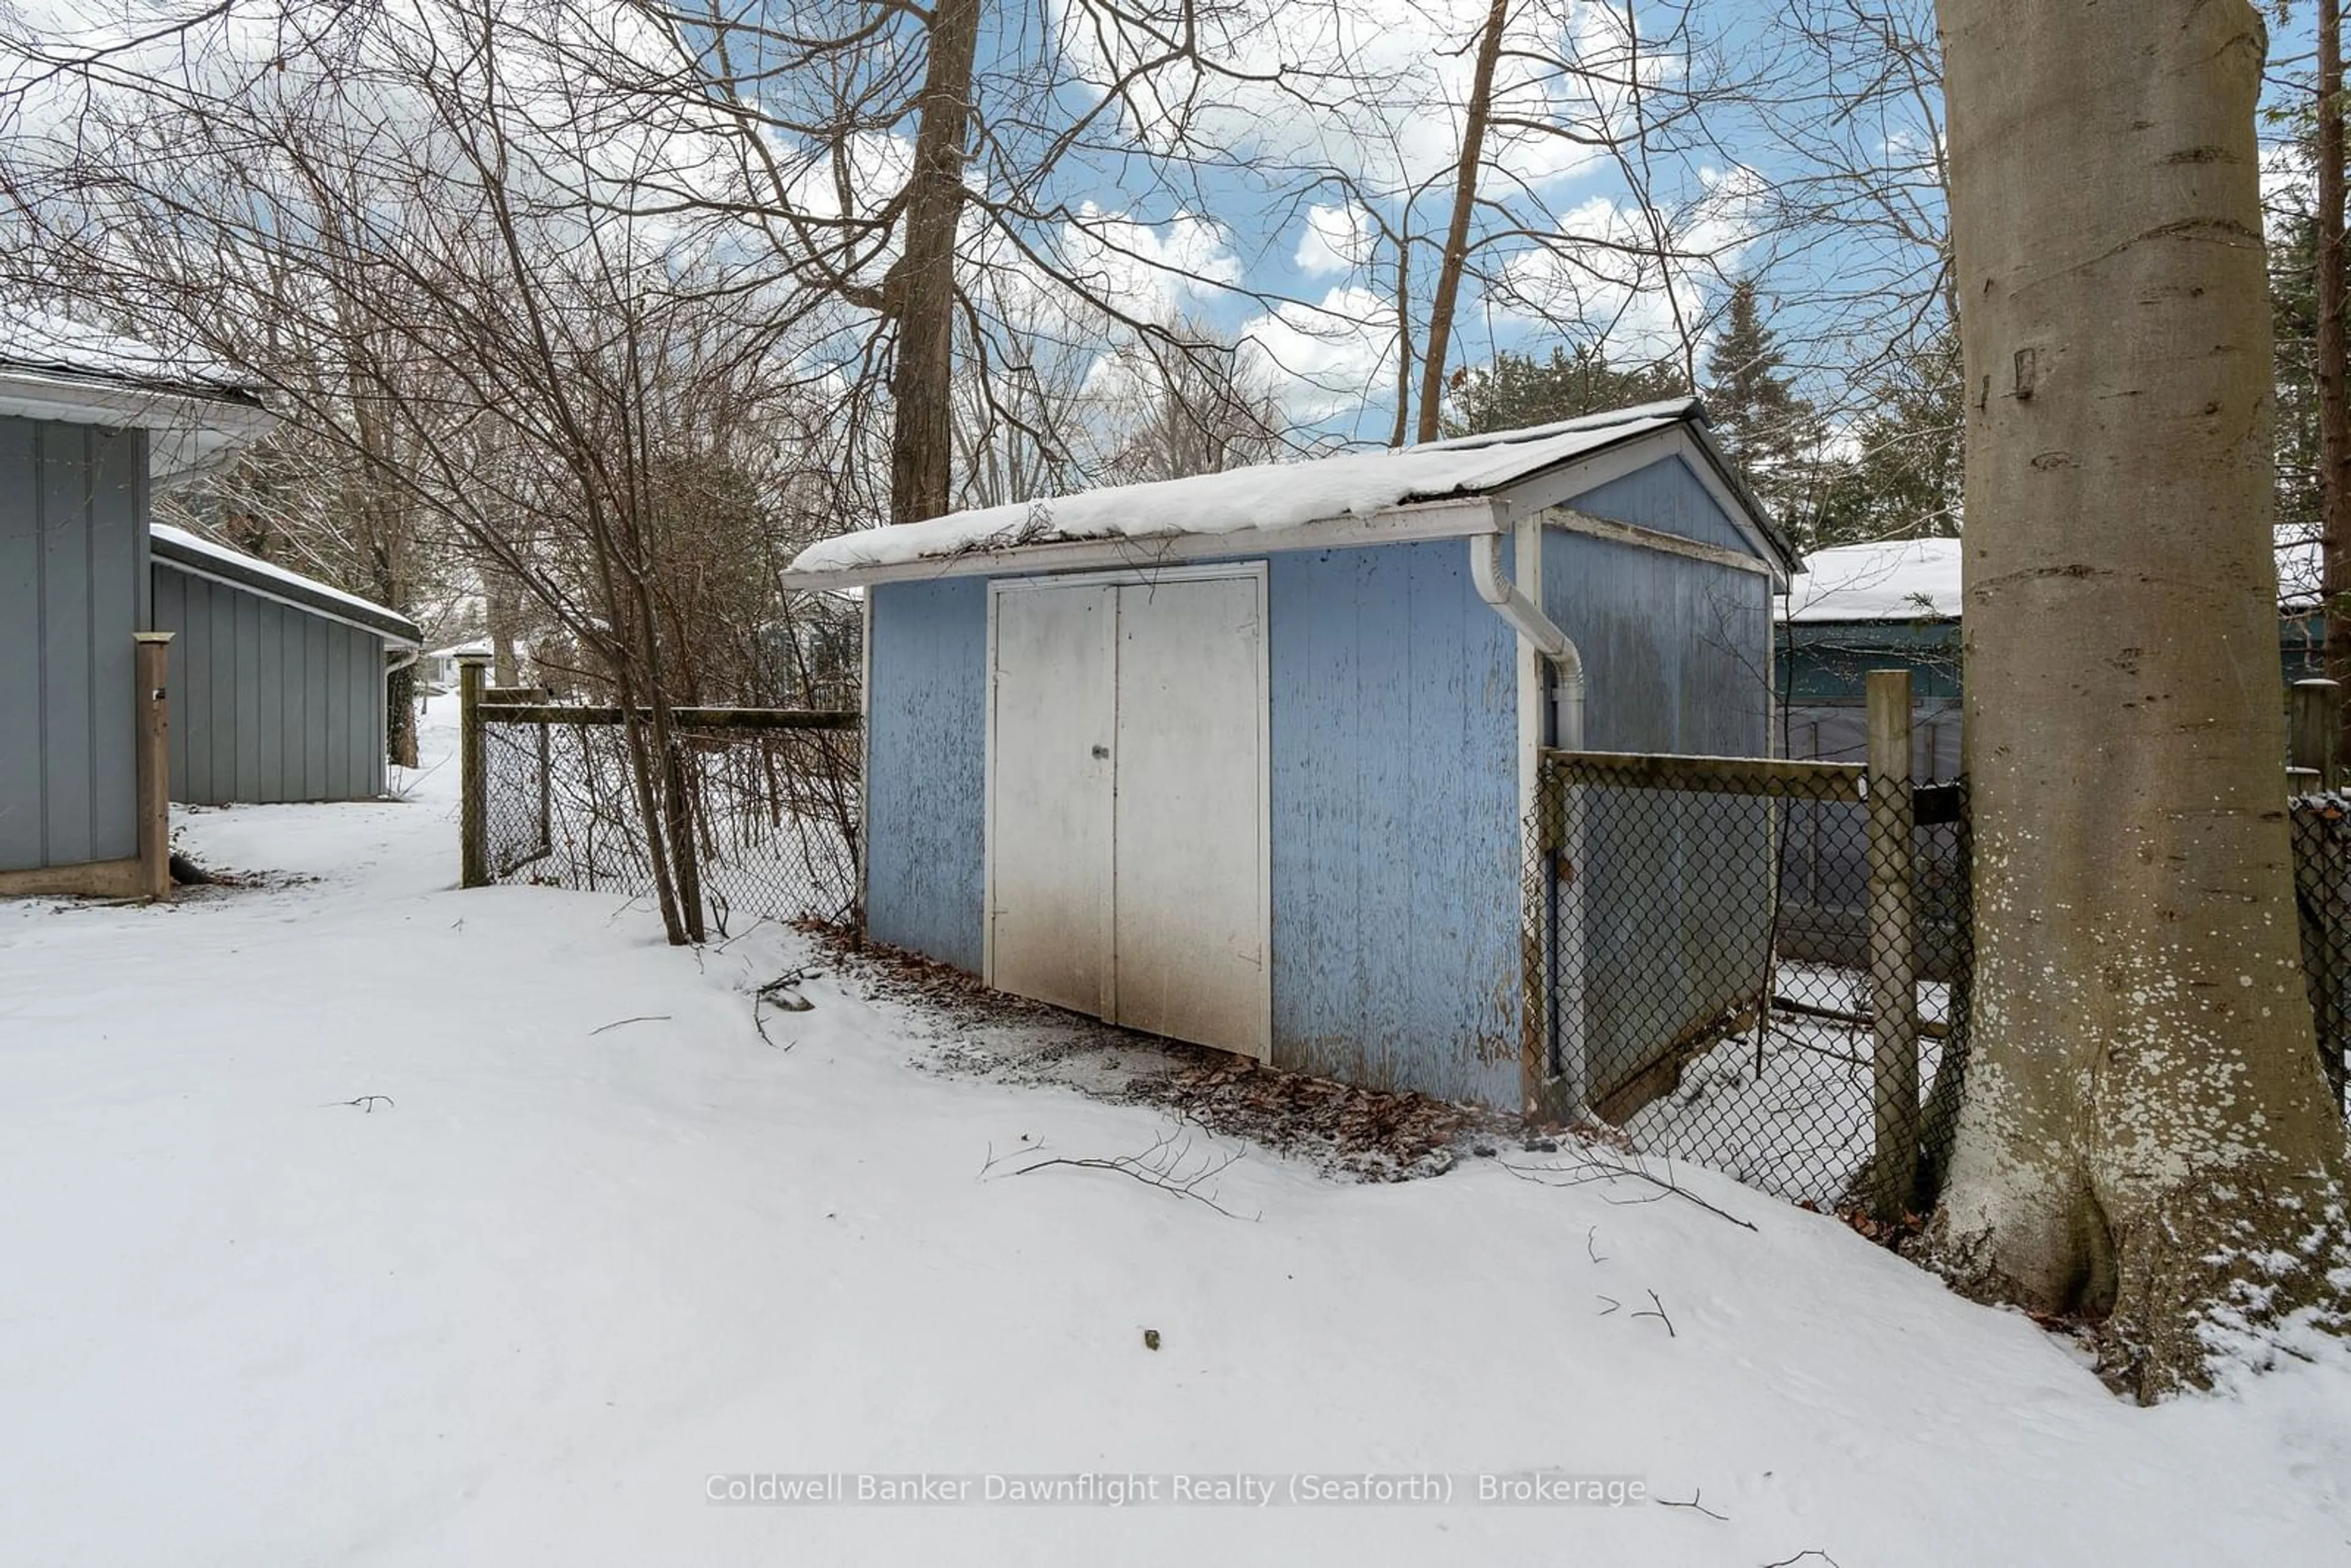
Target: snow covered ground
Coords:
[(569, 1268)]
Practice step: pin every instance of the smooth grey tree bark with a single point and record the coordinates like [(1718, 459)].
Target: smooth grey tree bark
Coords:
[(2148, 1140)]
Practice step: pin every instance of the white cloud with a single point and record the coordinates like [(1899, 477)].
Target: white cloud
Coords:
[(1375, 88), (1150, 272), (1328, 357), (1636, 279), (1337, 239)]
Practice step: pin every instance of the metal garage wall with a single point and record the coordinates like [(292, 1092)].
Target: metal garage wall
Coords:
[(72, 567), (269, 703)]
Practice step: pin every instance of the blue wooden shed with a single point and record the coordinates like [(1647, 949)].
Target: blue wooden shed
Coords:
[(1245, 759)]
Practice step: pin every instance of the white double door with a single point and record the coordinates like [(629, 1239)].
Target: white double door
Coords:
[(1127, 819)]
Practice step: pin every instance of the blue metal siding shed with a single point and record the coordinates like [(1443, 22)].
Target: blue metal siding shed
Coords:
[(278, 682), (1396, 822), (72, 509)]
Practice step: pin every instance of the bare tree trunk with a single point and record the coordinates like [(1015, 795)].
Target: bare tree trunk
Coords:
[(399, 713), (921, 290), (2328, 369), (501, 614), (399, 685), (2147, 1139), (1465, 205), (1403, 337)]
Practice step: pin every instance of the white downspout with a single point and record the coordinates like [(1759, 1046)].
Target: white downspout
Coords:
[(1541, 633), (1565, 937)]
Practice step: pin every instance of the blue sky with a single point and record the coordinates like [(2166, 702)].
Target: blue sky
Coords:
[(1298, 268)]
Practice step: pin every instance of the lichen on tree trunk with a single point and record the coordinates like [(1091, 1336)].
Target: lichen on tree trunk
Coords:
[(2148, 1140)]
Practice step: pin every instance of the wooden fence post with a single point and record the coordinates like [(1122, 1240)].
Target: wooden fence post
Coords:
[(2314, 729), (474, 812), (1893, 947), (152, 663)]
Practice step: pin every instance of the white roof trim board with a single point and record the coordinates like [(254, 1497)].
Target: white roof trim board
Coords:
[(184, 552), (1897, 579), (53, 369), (1441, 489)]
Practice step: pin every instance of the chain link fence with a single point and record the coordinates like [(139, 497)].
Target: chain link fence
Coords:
[(1750, 965), (775, 801), (2322, 895)]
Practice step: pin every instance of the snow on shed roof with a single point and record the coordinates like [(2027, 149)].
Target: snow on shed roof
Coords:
[(55, 369), (179, 547), (1895, 580), (38, 340), (1265, 498), (1919, 579)]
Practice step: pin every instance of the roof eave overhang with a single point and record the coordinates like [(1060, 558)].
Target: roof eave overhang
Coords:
[(392, 628), (190, 428), (1915, 620), (1453, 517), (1757, 514)]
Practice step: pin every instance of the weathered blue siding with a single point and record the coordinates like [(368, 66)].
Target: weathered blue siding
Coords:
[(925, 794), (72, 558), (1397, 850), (1678, 659), (1676, 652), (1667, 497), (1396, 822), (269, 703), (1394, 801)]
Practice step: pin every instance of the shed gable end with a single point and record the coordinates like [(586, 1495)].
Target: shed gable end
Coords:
[(1667, 498)]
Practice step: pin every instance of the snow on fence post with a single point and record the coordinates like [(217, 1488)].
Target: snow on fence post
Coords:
[(153, 667), (474, 812), (1893, 946), (2314, 729)]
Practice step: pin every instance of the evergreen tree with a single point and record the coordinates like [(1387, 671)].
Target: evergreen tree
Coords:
[(1774, 435), (2294, 318), (1901, 478), (1518, 390)]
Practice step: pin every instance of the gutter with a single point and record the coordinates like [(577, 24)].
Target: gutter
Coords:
[(192, 427)]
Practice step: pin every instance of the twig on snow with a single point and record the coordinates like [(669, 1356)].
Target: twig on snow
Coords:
[(1590, 1166), (745, 932), (1614, 1305), (1799, 1557), (1659, 1314), (1172, 1164), (1697, 1501), (641, 1017), (366, 1102), (1591, 1244)]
